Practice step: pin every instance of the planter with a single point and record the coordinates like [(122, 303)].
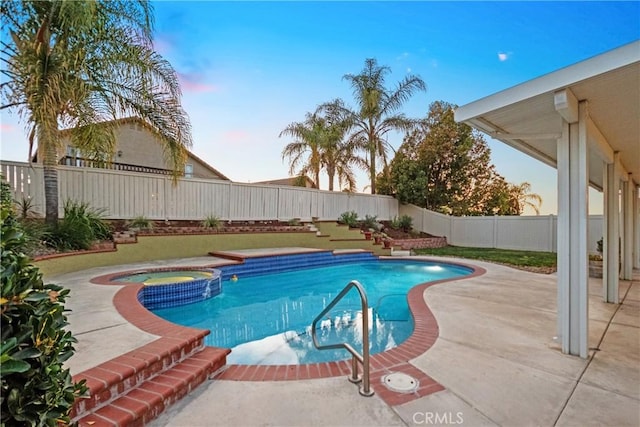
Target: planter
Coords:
[(595, 268), (367, 235), (387, 243), (377, 240)]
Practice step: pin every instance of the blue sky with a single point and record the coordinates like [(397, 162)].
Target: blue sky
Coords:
[(248, 69)]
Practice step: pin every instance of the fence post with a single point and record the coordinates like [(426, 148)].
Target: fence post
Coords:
[(551, 239), (451, 230), (165, 196), (495, 231)]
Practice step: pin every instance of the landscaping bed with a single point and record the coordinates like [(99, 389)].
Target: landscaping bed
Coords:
[(196, 227)]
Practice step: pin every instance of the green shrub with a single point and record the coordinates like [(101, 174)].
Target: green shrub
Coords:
[(6, 198), (26, 209), (80, 227), (370, 223), (395, 223), (141, 223), (406, 223), (36, 389), (349, 218), (212, 221), (294, 222)]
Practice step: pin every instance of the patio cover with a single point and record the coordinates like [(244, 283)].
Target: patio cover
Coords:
[(584, 120)]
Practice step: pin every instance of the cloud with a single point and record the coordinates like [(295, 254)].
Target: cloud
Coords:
[(6, 127), (195, 83), (503, 56), (403, 55)]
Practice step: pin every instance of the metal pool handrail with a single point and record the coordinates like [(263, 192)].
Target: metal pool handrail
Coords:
[(356, 357)]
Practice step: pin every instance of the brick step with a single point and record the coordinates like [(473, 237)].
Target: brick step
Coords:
[(111, 379), (139, 405)]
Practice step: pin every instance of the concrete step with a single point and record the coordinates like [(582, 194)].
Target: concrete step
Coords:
[(138, 405)]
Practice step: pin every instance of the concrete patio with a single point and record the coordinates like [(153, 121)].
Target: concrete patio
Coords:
[(495, 356)]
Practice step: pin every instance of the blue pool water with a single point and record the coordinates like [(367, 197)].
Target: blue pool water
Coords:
[(266, 318)]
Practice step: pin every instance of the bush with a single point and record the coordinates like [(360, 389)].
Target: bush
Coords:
[(26, 209), (395, 223), (349, 218), (36, 389), (80, 227), (294, 222), (6, 199), (141, 223), (212, 221), (404, 223), (370, 223)]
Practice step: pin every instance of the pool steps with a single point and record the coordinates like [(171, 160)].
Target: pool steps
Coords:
[(134, 388), (290, 262)]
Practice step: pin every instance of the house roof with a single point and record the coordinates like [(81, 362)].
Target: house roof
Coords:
[(137, 120), (526, 116), (290, 181)]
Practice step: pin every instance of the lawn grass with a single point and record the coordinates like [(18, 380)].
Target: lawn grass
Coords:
[(501, 256)]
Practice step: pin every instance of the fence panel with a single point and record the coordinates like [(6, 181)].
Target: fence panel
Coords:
[(26, 183), (195, 199), (296, 203), (531, 233), (476, 231), (249, 202), (331, 206), (596, 231)]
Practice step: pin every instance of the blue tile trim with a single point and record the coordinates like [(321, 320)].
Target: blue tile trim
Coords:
[(279, 263), (175, 294)]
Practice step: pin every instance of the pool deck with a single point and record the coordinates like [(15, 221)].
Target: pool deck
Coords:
[(494, 357)]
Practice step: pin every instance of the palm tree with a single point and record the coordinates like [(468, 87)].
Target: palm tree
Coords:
[(82, 64), (520, 196), (321, 138), (337, 156), (307, 142), (377, 111)]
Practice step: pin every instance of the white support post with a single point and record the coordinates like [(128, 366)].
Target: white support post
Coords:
[(627, 237), (573, 303), (563, 236), (611, 233)]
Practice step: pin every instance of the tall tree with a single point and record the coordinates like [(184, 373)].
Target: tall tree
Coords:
[(338, 155), (319, 144), (446, 167), (304, 152), (377, 111), (81, 64)]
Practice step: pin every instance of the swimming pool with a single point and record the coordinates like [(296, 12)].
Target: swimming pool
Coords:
[(266, 318)]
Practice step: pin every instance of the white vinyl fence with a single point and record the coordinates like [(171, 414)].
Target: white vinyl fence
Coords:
[(125, 195), (533, 233)]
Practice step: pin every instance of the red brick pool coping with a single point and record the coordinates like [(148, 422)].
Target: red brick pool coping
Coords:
[(425, 334)]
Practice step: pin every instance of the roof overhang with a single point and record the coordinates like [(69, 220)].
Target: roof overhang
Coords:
[(530, 116)]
